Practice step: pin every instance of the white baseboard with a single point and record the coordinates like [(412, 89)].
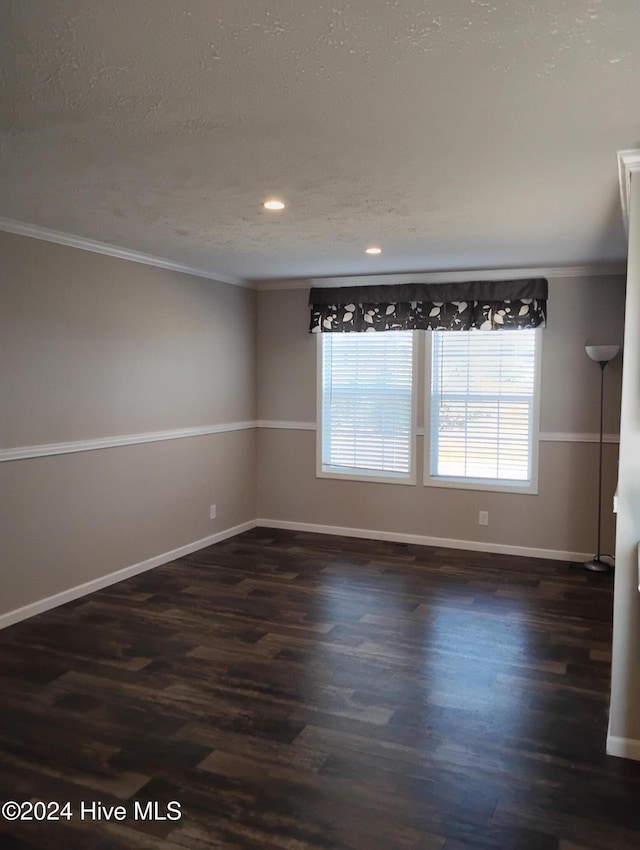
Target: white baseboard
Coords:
[(57, 599), (423, 540), (624, 748)]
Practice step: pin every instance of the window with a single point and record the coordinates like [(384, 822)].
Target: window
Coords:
[(483, 410), (367, 406)]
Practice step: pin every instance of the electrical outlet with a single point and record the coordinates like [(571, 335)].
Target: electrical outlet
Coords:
[(483, 517), (212, 512)]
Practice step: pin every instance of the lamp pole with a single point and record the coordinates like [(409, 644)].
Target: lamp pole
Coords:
[(597, 565), (602, 354)]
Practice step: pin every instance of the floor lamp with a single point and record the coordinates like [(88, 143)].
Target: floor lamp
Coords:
[(602, 354)]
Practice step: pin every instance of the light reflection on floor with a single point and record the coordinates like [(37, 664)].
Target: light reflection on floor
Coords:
[(445, 654)]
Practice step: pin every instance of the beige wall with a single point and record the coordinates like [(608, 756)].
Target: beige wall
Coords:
[(624, 723), (562, 517), (70, 519), (92, 346), (588, 310)]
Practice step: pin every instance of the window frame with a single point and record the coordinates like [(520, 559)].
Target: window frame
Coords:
[(483, 484), (352, 474)]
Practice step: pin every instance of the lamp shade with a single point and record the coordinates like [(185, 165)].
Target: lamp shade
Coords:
[(602, 353)]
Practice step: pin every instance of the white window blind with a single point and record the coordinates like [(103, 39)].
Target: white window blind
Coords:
[(483, 398), (367, 403)]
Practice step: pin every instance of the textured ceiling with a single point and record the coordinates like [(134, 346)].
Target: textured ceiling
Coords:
[(454, 133)]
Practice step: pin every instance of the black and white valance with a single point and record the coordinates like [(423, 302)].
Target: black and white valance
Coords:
[(483, 305)]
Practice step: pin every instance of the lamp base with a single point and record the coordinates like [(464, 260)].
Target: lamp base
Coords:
[(595, 565)]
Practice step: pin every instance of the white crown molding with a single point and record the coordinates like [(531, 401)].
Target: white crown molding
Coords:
[(423, 540), (34, 230), (75, 446), (444, 276), (628, 162), (88, 587)]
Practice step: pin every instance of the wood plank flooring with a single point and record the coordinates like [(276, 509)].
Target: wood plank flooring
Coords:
[(300, 692)]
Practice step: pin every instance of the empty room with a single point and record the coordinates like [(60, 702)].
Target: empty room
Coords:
[(319, 425)]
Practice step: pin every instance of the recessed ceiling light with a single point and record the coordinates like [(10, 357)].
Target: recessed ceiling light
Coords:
[(373, 250), (274, 204)]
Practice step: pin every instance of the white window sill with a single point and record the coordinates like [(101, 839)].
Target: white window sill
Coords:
[(373, 478), (527, 487)]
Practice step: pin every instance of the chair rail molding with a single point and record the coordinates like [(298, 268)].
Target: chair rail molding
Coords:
[(74, 446)]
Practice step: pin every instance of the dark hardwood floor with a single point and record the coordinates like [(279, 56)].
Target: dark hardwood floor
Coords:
[(298, 691)]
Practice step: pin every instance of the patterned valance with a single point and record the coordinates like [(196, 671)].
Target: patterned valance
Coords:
[(483, 305)]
